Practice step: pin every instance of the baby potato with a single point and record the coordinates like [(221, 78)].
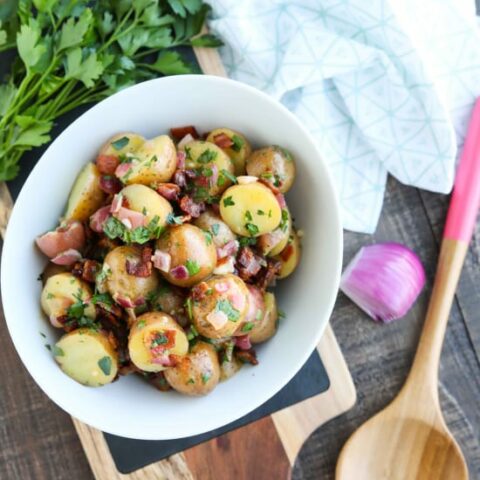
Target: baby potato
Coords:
[(238, 152), (122, 144), (197, 373), (154, 161), (211, 222), (60, 292), (87, 356), (127, 290), (145, 200), (273, 243), (156, 341), (289, 256), (205, 155), (220, 306), (171, 300), (86, 196), (255, 312), (228, 368), (192, 252), (250, 209), (267, 326), (273, 164)]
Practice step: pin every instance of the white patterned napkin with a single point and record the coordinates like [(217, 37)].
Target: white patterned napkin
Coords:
[(384, 86)]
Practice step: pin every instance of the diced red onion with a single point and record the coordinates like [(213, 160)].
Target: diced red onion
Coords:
[(99, 218), (180, 272), (214, 177), (110, 184), (162, 261), (124, 302), (243, 342), (68, 257), (384, 280), (181, 157), (230, 248), (281, 200), (169, 191)]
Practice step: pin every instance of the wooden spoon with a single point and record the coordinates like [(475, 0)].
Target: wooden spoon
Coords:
[(409, 438)]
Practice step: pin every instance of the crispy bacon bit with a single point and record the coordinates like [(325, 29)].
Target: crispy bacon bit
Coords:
[(166, 360), (109, 310), (143, 267), (130, 218), (199, 291), (179, 132), (287, 252), (68, 236), (68, 257), (107, 164), (248, 263), (281, 200), (87, 270), (110, 184), (162, 260), (169, 191), (247, 356), (229, 249), (243, 342), (268, 274), (217, 319), (224, 266), (189, 206), (55, 321), (180, 178), (180, 272), (99, 218), (216, 208), (222, 140)]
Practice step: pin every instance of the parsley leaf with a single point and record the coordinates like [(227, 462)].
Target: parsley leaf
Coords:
[(284, 221), (247, 327), (192, 266), (228, 175), (228, 202), (215, 228), (252, 228), (173, 220), (228, 309), (57, 351), (206, 377), (207, 156), (120, 143), (105, 364), (237, 143), (208, 237)]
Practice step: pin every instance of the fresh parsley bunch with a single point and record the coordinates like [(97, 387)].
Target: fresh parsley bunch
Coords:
[(73, 52)]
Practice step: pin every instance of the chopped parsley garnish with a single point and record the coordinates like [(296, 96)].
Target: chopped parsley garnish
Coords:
[(260, 212), (127, 175), (207, 156), (105, 364), (237, 143), (247, 241), (42, 334), (103, 274), (188, 153), (189, 307), (228, 309), (114, 228), (281, 313), (228, 202), (190, 381), (76, 310), (174, 220), (269, 214), (228, 175), (266, 175), (208, 237), (228, 352), (120, 143), (284, 221), (103, 298), (248, 216), (159, 339), (50, 296), (247, 327), (151, 161), (57, 351), (251, 228), (141, 323), (221, 181), (215, 228), (286, 153), (206, 377), (48, 347), (192, 266), (192, 333)]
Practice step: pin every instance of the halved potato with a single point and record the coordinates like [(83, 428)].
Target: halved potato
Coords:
[(203, 156), (273, 243), (87, 356), (197, 373), (154, 161), (250, 209), (60, 292), (290, 256), (238, 152), (122, 144), (145, 200), (153, 339), (267, 326), (86, 196)]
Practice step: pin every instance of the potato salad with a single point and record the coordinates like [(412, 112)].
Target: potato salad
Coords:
[(164, 261)]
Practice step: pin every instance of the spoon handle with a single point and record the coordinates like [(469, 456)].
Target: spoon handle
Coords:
[(461, 218)]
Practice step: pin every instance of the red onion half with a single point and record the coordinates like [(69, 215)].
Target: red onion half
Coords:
[(384, 280)]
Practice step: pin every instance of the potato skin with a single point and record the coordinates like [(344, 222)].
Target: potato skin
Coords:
[(135, 141), (234, 291), (154, 161), (194, 151), (290, 256), (267, 326), (255, 312), (62, 290), (188, 245), (273, 243), (198, 373), (211, 222), (171, 300), (87, 357), (86, 196), (238, 155), (141, 332), (119, 283), (141, 198), (273, 164), (253, 205)]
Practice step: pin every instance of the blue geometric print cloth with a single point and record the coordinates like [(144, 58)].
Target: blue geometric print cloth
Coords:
[(385, 87)]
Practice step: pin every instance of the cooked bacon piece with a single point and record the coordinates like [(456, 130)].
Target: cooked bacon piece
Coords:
[(107, 164), (166, 360), (162, 260), (229, 249), (99, 218), (123, 169), (130, 218), (247, 356), (110, 184), (179, 132), (287, 252), (248, 263), (68, 257), (68, 236), (109, 310), (222, 141), (243, 342), (199, 291), (268, 274), (180, 178), (143, 267), (64, 322), (281, 200), (189, 206), (272, 187), (87, 270), (169, 191)]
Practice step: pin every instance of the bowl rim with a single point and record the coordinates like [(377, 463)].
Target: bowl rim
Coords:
[(116, 429)]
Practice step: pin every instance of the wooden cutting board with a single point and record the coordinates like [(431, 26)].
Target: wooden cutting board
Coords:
[(266, 448)]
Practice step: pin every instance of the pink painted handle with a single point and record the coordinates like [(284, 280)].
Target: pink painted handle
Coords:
[(465, 201)]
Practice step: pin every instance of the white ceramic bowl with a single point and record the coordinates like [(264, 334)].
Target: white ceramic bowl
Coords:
[(131, 407)]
